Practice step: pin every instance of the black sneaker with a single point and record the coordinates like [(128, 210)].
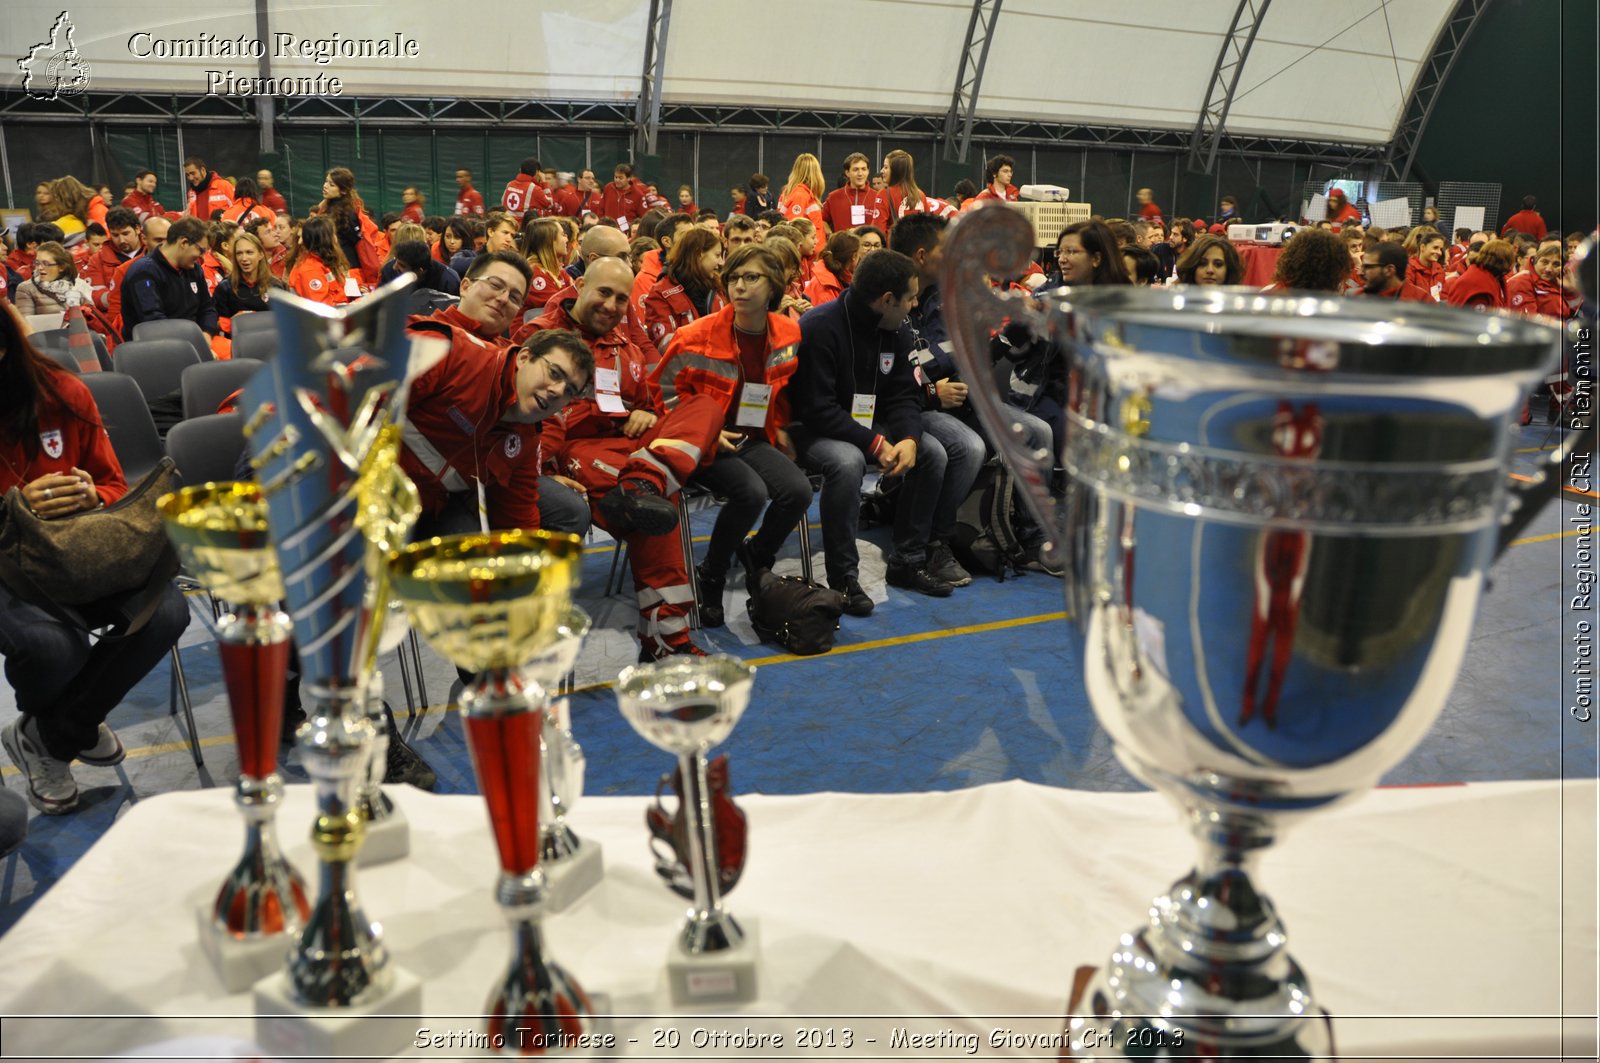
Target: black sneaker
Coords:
[(1039, 562), (405, 765), (916, 577), (856, 601), (942, 564), (711, 589), (636, 505)]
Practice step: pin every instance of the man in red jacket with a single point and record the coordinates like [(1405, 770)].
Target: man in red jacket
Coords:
[(1383, 269), (208, 192), (1527, 220), (857, 203), (271, 198), (623, 198), (142, 200), (631, 454), (525, 193), (582, 195), (472, 433), (122, 244), (468, 199)]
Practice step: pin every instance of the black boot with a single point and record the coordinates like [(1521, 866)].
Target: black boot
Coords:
[(405, 764), (711, 588), (753, 560), (636, 505)]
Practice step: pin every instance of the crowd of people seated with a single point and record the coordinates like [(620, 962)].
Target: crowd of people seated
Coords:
[(613, 347)]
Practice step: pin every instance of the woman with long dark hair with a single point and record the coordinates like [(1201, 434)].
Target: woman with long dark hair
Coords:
[(688, 289), (1087, 253), (54, 450), (903, 193), (319, 268), (55, 284), (351, 224), (1210, 260)]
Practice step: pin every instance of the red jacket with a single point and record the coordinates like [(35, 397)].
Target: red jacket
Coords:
[(1406, 293), (469, 201), (1348, 212), (1477, 287), (685, 370), (271, 197), (524, 195), (651, 267), (585, 419), (101, 270), (573, 201), (541, 289), (454, 433), (844, 205), (824, 287), (143, 205), (312, 279), (243, 209), (1528, 293), (70, 436), (1149, 212), (214, 194), (798, 202), (411, 212), (929, 204), (20, 262), (1525, 221), (625, 205), (1429, 278), (668, 308)]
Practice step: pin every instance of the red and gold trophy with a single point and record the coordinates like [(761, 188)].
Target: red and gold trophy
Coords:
[(220, 531), (490, 603)]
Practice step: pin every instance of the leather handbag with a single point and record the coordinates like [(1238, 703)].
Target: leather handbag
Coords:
[(799, 616), (91, 556)]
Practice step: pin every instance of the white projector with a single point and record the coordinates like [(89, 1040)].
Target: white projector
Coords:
[(1045, 193), (1272, 233)]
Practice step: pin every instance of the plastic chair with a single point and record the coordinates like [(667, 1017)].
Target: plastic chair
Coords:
[(50, 337), (427, 300), (61, 356), (138, 449), (207, 448), (156, 365), (175, 329), (254, 323), (206, 386), (260, 344)]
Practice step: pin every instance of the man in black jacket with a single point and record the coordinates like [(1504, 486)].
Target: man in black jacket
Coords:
[(168, 283), (855, 396)]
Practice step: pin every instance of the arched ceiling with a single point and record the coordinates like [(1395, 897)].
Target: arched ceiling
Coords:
[(1330, 70)]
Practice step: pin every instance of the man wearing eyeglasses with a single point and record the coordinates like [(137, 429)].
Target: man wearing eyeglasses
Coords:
[(630, 452), (473, 420)]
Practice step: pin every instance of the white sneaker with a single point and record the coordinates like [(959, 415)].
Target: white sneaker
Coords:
[(107, 750), (51, 787)]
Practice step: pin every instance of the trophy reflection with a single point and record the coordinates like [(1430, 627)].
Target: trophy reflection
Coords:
[(1279, 513), (572, 865), (220, 531), (686, 706), (490, 602)]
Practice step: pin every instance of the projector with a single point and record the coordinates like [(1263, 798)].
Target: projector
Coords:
[(1044, 193), (1272, 233)]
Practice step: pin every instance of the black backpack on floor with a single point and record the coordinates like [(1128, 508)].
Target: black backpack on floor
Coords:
[(985, 539)]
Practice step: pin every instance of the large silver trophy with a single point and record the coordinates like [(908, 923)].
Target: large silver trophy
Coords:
[(323, 431), (1278, 513), (686, 706)]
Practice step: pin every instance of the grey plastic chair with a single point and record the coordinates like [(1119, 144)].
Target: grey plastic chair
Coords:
[(175, 329), (207, 448), (157, 365), (204, 387), (254, 324)]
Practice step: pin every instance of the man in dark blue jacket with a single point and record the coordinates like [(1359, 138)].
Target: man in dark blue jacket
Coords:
[(855, 397), (168, 283)]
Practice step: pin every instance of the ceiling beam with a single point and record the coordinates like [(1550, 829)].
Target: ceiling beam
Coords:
[(647, 118), (958, 120), (1224, 82), (1431, 76)]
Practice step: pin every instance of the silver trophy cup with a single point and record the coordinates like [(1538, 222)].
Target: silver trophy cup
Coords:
[(1277, 514)]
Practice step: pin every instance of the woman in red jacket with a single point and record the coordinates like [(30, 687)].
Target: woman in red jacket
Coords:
[(1541, 292), (1425, 245), (831, 274), (55, 452), (1340, 210), (902, 192), (1483, 285), (545, 247), (744, 356), (318, 269), (687, 289), (802, 194)]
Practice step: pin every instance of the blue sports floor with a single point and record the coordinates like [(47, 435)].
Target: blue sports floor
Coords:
[(925, 694)]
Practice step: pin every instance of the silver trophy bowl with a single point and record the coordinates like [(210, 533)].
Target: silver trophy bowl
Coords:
[(1275, 518)]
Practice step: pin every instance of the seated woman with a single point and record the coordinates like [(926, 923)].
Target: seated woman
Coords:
[(831, 274), (249, 283), (54, 450), (687, 290), (1210, 260), (319, 269), (55, 284), (755, 347)]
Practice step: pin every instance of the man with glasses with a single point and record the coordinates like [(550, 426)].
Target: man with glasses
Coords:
[(474, 419), (1383, 273), (630, 453)]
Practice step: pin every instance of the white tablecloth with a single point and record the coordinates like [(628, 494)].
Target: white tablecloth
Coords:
[(1456, 921)]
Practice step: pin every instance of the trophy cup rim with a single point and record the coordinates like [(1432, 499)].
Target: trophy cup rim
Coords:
[(479, 548), (192, 515), (720, 672)]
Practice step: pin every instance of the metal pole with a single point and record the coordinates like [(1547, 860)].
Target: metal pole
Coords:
[(694, 179), (5, 164)]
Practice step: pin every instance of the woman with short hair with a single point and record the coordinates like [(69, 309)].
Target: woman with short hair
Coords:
[(1483, 284)]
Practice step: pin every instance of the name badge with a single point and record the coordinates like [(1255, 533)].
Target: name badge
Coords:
[(352, 287), (858, 214), (608, 390), (862, 409), (754, 401)]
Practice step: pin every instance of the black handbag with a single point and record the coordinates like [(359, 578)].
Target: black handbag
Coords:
[(117, 558), (799, 616)]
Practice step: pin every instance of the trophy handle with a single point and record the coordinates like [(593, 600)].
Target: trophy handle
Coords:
[(992, 240)]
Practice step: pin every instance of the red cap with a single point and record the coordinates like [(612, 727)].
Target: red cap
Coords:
[(1337, 193), (1219, 230)]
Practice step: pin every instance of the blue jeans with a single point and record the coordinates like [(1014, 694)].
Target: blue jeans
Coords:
[(948, 459), (68, 685), (842, 467)]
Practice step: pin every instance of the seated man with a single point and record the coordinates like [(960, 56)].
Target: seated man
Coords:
[(472, 420), (168, 283), (630, 453), (855, 396)]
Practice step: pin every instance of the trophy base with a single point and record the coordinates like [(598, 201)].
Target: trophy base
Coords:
[(240, 962), (727, 976), (386, 839), (569, 879), (380, 1027)]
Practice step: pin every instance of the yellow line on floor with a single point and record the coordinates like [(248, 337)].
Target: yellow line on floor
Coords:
[(607, 548), (1547, 538)]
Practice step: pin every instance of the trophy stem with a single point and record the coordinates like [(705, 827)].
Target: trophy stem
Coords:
[(263, 895), (709, 928), (341, 960), (536, 1006)]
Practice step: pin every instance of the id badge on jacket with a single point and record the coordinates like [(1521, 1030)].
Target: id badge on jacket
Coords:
[(863, 408), (608, 390), (754, 402)]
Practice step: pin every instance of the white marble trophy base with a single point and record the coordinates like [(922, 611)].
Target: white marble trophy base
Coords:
[(240, 963), (568, 880), (386, 839), (726, 977), (380, 1028)]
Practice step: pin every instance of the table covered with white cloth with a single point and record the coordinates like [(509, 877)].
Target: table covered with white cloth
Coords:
[(1455, 922)]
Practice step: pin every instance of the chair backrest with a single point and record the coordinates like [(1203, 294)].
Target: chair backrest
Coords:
[(175, 329), (43, 322), (157, 365), (427, 300), (50, 337), (207, 448), (259, 344), (128, 422), (206, 385), (62, 356), (254, 323)]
